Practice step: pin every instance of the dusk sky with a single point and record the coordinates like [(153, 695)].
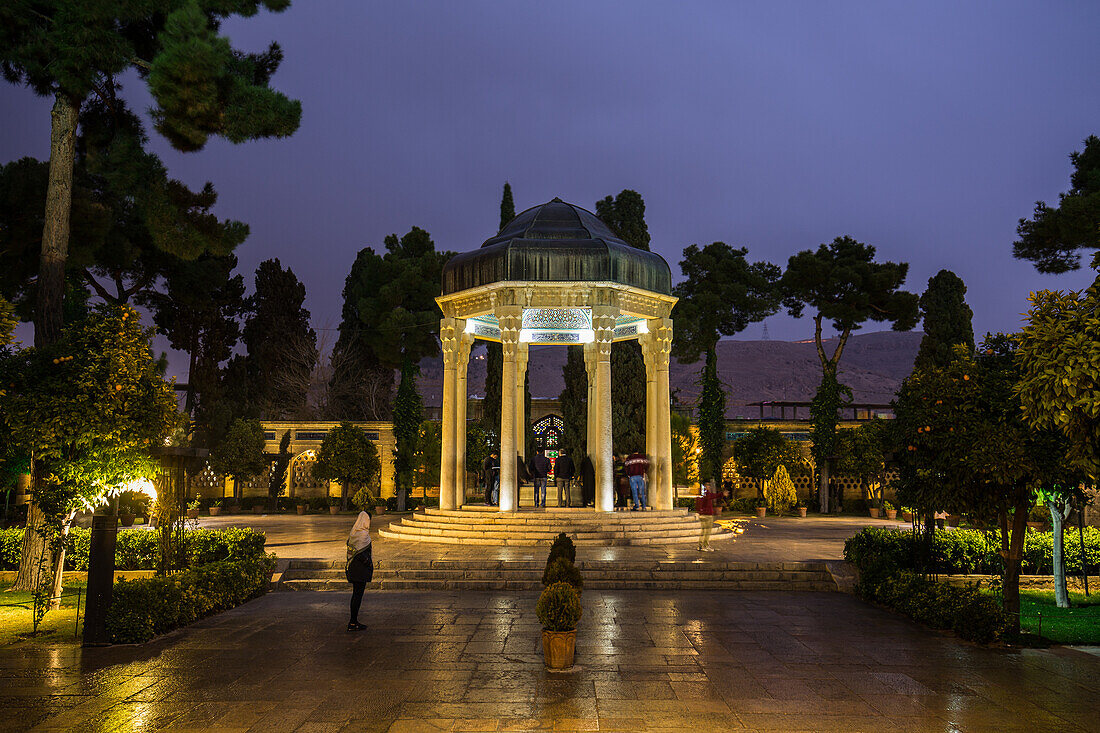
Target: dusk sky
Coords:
[(924, 129)]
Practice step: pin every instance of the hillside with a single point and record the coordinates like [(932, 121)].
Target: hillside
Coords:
[(873, 365)]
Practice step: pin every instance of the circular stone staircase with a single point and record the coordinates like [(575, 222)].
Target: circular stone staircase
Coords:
[(528, 526)]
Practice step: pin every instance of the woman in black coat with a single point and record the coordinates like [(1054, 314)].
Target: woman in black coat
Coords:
[(360, 566)]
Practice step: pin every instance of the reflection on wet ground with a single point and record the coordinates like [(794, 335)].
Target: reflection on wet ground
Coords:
[(698, 661)]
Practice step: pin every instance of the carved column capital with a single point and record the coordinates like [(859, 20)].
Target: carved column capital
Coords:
[(603, 323), (450, 334)]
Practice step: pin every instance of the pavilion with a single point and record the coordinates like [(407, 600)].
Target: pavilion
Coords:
[(556, 275)]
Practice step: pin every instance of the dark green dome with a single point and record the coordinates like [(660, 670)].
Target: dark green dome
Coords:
[(557, 242)]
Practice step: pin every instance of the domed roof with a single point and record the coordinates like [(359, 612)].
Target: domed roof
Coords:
[(557, 242)]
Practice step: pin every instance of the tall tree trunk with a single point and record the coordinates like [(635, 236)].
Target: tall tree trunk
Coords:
[(34, 549), (823, 487), (51, 291), (55, 232), (236, 490), (344, 495), (59, 565), (1013, 550), (1058, 512)]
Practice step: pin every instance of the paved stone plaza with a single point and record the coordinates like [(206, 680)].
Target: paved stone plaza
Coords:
[(707, 661)]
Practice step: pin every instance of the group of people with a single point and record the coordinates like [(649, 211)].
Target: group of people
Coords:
[(629, 476)]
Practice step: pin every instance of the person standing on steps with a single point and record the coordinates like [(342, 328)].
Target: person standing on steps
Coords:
[(704, 507), (540, 469), (588, 481), (636, 467), (491, 469), (360, 566), (563, 477)]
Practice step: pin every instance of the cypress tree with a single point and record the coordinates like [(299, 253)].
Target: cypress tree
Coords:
[(507, 206), (494, 356), (624, 215), (407, 416), (712, 422), (574, 402), (947, 320)]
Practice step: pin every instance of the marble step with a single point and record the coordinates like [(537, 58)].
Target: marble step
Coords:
[(574, 533), (535, 585), (585, 566), (558, 526)]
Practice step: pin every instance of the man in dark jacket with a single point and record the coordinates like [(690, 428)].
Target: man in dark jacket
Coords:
[(563, 477), (490, 470), (540, 468), (588, 481), (636, 467)]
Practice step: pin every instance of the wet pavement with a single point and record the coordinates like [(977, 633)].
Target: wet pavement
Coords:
[(647, 661), (782, 539)]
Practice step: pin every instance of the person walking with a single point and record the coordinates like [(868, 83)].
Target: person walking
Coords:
[(563, 477), (490, 468), (704, 507), (360, 566), (636, 467), (540, 469)]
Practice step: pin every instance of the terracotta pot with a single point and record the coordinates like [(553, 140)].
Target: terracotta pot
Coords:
[(802, 511), (558, 647), (192, 513), (215, 511), (907, 516), (873, 512), (891, 514), (334, 510), (301, 509), (257, 509), (126, 520), (761, 511)]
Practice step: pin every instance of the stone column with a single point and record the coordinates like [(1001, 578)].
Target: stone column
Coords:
[(660, 333), (603, 322), (449, 338), (465, 343), (590, 423), (522, 354), (510, 318), (646, 341)]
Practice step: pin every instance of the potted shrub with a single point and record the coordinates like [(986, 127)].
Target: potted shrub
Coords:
[(302, 506), (761, 508), (559, 610), (907, 514), (873, 511), (194, 507), (800, 505), (125, 518), (215, 508), (891, 512), (334, 505)]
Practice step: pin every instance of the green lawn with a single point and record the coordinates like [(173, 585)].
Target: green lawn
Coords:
[(1079, 624), (17, 622)]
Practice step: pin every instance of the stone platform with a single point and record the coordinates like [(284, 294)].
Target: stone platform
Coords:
[(480, 525), (489, 574)]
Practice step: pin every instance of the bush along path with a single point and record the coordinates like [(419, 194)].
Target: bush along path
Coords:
[(888, 575)]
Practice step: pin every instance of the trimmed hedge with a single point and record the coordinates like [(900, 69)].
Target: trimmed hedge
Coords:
[(972, 551), (142, 609), (967, 611), (137, 549)]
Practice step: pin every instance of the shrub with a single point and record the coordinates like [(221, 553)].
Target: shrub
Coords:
[(562, 547), (967, 611), (559, 607), (142, 609), (560, 570), (686, 502), (139, 549)]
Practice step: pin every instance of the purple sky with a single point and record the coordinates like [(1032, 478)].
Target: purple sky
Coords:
[(925, 129)]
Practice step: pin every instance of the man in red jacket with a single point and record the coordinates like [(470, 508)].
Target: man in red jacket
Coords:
[(636, 466), (704, 507)]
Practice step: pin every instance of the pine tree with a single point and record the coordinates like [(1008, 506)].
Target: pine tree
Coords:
[(282, 347), (74, 51), (1052, 240), (842, 282), (947, 320), (722, 293)]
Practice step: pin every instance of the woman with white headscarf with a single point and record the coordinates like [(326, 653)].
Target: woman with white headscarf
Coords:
[(360, 566)]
